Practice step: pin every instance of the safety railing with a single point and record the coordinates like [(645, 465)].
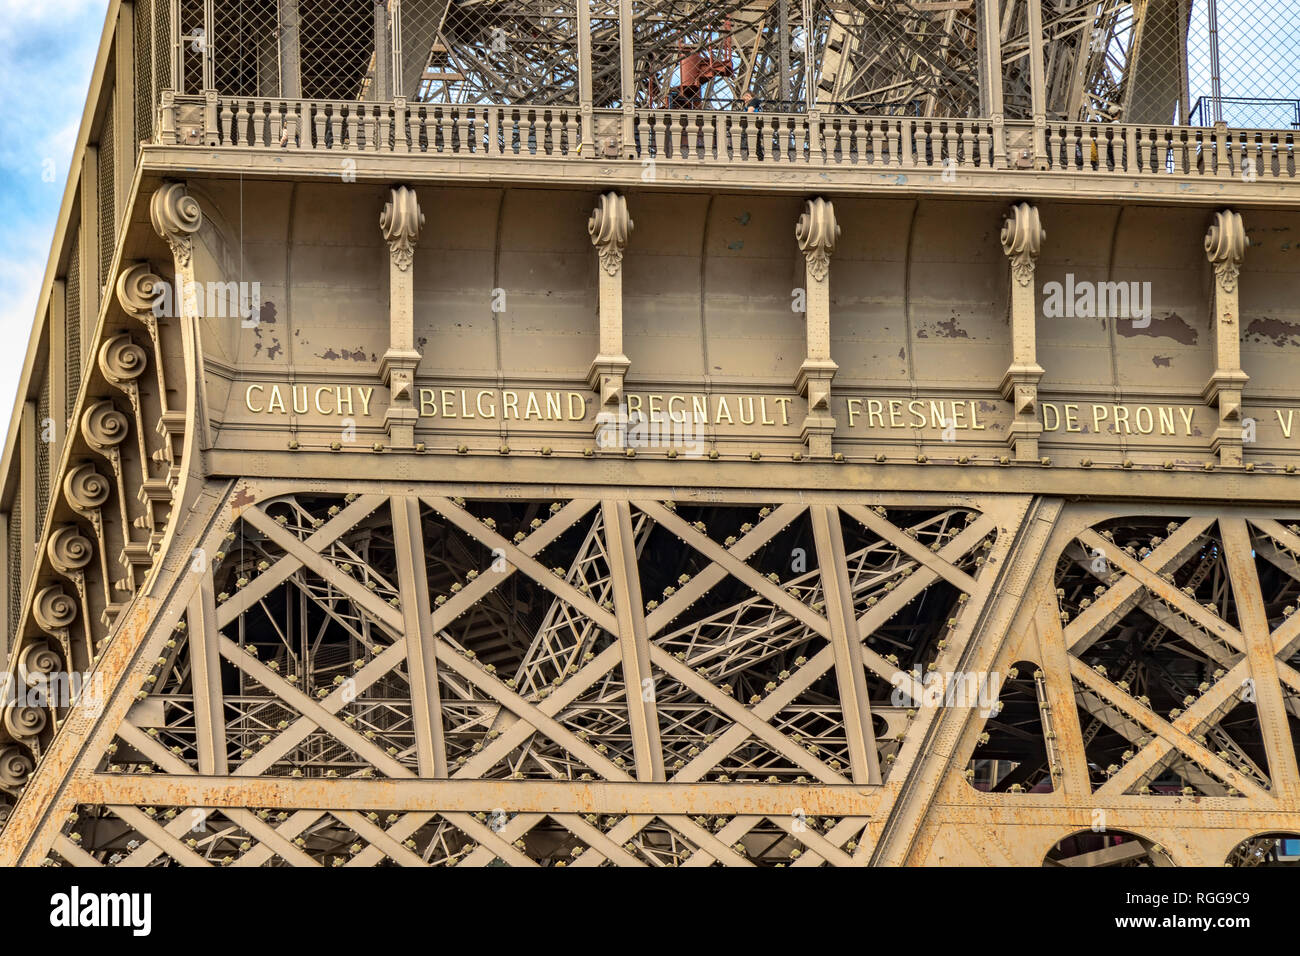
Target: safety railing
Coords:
[(733, 137)]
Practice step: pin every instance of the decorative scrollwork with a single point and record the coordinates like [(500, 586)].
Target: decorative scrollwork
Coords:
[(137, 291), (103, 426), (23, 721), (176, 217), (15, 766), (1225, 246), (609, 227), (401, 222), (53, 609), (37, 662), (1022, 239), (69, 550), (86, 489), (121, 360), (816, 232)]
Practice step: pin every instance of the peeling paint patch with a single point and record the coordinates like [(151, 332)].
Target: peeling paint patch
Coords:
[(1171, 326), (268, 315), (241, 498), (989, 406), (737, 245), (344, 355), (902, 355), (1278, 332), (1162, 361), (950, 329), (743, 219), (275, 349)]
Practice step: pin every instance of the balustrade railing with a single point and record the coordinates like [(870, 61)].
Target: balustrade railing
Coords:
[(765, 139)]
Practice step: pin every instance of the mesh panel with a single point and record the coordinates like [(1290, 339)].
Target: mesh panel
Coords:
[(246, 47), (194, 44), (708, 57), (906, 59), (162, 55), (492, 51), (337, 48), (1258, 59), (107, 195), (15, 562), (144, 96), (43, 449), (74, 325)]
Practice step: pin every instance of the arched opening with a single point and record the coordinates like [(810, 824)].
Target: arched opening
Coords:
[(1266, 849), (1106, 848)]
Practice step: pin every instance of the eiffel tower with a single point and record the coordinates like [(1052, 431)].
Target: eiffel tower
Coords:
[(656, 433)]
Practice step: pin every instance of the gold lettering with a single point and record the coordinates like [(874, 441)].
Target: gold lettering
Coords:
[(581, 403), (852, 411), (1187, 418), (554, 412), (248, 398), (339, 395), (740, 402), (365, 394), (1137, 418), (785, 409), (1122, 419), (464, 409), (671, 416), (1284, 425), (296, 409), (700, 408), (633, 405), (1099, 415), (958, 410), (656, 403), (478, 403), (1072, 418), (1056, 417), (277, 400), (895, 409), (974, 422), (722, 407), (447, 404), (937, 417), (1167, 421), (532, 409), (509, 400), (316, 397), (917, 408), (763, 406), (428, 403), (875, 413)]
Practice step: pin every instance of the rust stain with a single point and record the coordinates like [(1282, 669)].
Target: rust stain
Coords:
[(1171, 326), (242, 498), (1280, 333)]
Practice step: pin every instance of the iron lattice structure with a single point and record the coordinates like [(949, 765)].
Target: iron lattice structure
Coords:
[(1154, 61)]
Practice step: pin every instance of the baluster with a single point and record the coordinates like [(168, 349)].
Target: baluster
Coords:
[(493, 130), (241, 124), (354, 123), (735, 132), (892, 135), (877, 142), (858, 135), (709, 134), (259, 124), (444, 130), (275, 122), (968, 145)]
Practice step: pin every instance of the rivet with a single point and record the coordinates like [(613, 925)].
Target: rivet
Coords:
[(462, 449), (713, 454), (336, 446), (420, 447), (755, 456), (546, 450), (504, 450), (1085, 462), (293, 444)]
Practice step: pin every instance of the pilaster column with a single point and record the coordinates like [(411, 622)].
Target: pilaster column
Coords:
[(401, 222), (1022, 238), (816, 232), (609, 227), (1225, 247)]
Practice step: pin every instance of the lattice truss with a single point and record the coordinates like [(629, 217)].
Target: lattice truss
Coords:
[(1103, 60), (1183, 646), (342, 642)]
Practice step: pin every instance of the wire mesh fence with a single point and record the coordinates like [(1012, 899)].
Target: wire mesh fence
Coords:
[(1156, 62)]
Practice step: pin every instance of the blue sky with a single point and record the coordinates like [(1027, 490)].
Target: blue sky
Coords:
[(47, 52)]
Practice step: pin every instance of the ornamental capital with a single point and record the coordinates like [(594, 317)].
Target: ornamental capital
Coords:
[(1225, 246), (609, 227), (401, 222), (817, 232), (1022, 240)]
